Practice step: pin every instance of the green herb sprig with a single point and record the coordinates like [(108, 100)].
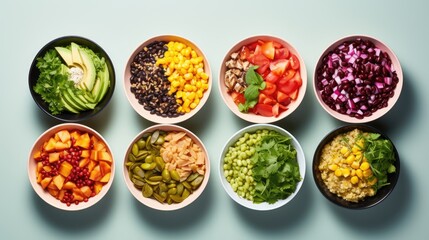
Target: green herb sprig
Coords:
[(255, 82)]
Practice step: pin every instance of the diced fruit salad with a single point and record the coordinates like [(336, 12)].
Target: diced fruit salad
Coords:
[(263, 78), (73, 166)]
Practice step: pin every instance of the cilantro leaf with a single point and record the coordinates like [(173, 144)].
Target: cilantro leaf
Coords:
[(275, 170)]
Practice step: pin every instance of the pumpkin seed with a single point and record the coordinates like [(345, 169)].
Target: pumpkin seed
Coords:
[(197, 182), (185, 193), (175, 175), (155, 178), (138, 171), (176, 198), (166, 175), (147, 190), (192, 177), (135, 149), (154, 137)]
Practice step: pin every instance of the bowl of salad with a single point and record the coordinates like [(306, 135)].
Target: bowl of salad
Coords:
[(71, 79), (358, 79), (71, 166), (356, 166), (262, 79), (167, 79), (166, 167), (262, 167)]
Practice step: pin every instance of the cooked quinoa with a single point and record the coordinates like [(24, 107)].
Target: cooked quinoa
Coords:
[(345, 170)]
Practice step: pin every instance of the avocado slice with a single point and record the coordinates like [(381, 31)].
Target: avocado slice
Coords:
[(66, 55), (90, 73), (70, 104), (75, 99), (105, 78), (75, 54)]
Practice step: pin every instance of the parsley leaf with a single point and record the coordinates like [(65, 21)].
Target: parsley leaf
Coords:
[(275, 169), (255, 82), (380, 155)]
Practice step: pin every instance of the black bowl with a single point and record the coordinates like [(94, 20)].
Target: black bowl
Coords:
[(68, 116), (368, 202)]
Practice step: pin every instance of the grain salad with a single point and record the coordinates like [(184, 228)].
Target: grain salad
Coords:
[(344, 168)]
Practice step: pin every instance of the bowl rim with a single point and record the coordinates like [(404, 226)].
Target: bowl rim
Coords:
[(151, 203), (369, 202), (138, 108), (44, 195), (252, 118), (380, 112), (84, 115), (262, 206)]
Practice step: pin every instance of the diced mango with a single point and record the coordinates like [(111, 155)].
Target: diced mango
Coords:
[(77, 196), (86, 191), (37, 155), (58, 180), (39, 167), (61, 194), (65, 169), (94, 155), (105, 178), (91, 165), (69, 185), (99, 146), (95, 174), (51, 185), (47, 168), (84, 141), (85, 153), (84, 162), (104, 156), (53, 157), (59, 146), (75, 135), (97, 187), (104, 167), (50, 145), (63, 135), (53, 192)]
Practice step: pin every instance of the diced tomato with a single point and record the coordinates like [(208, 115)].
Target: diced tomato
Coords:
[(294, 94), (262, 70), (272, 77), (252, 46), (278, 109), (294, 62), (264, 109), (277, 45), (270, 88), (268, 49), (288, 87), (258, 59), (244, 53), (238, 97), (265, 99), (287, 76), (297, 78), (283, 98), (278, 67), (281, 53)]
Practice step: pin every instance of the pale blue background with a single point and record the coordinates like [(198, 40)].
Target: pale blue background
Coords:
[(120, 26)]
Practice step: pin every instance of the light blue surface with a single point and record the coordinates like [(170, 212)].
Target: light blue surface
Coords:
[(120, 26)]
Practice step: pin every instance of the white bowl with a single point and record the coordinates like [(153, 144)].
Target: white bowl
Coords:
[(250, 117), (264, 205), (32, 166), (139, 107), (391, 101), (150, 202)]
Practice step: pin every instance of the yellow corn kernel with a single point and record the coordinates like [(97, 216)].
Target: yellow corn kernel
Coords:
[(204, 76), (355, 165), (192, 105), (354, 180), (346, 172), (364, 166), (355, 149), (345, 151), (338, 172), (367, 173), (200, 93), (175, 84), (372, 181), (194, 54), (350, 159), (360, 143), (358, 155), (188, 76), (359, 173), (353, 172), (197, 100), (333, 167)]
